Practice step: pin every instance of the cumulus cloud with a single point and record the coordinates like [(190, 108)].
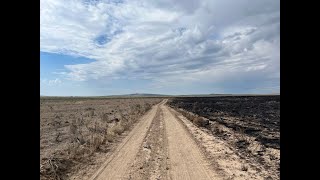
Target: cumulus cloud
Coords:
[(166, 41)]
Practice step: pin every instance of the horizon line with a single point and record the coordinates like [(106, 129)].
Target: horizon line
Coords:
[(212, 94)]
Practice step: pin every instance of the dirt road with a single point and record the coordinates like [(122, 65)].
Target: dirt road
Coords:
[(158, 147)]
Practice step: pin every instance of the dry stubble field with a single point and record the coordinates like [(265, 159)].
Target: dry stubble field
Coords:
[(75, 133)]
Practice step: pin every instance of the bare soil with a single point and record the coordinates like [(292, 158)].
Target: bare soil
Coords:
[(172, 155)]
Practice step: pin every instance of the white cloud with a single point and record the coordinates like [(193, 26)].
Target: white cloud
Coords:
[(166, 41), (52, 82)]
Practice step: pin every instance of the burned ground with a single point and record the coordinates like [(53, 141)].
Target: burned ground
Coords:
[(257, 116), (249, 124)]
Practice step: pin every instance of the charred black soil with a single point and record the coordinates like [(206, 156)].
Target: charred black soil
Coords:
[(256, 116)]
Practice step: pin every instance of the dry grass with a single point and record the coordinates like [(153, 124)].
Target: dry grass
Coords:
[(110, 137), (117, 129), (71, 134), (200, 121), (197, 120), (217, 129)]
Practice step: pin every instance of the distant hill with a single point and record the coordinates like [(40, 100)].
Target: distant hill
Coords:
[(142, 95), (155, 95), (219, 95)]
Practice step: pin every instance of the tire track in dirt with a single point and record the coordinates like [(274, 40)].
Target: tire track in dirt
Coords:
[(158, 147), (185, 157), (151, 160), (118, 163)]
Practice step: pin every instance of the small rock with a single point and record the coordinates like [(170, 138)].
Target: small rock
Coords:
[(147, 146)]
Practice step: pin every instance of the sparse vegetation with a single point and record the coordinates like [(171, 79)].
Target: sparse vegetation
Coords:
[(197, 120), (244, 168), (217, 129), (117, 129), (75, 130)]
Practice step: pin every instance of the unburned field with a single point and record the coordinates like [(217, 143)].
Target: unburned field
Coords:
[(74, 133), (250, 124)]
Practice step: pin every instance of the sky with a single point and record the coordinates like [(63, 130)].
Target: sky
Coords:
[(113, 47)]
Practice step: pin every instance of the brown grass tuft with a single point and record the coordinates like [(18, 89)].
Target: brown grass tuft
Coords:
[(117, 129)]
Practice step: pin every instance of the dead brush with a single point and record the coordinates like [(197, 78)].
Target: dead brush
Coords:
[(134, 110), (80, 147), (217, 129), (138, 109), (256, 148), (57, 137), (240, 135), (200, 121), (50, 168), (195, 119), (75, 130), (241, 140), (95, 145), (91, 113), (97, 134), (109, 137), (244, 167), (78, 150), (117, 129), (73, 149), (125, 122), (147, 107), (187, 115), (105, 117)]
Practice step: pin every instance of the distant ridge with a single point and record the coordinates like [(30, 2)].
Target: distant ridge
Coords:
[(159, 95), (142, 95)]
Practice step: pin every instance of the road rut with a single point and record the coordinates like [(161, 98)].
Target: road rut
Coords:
[(186, 159), (182, 158)]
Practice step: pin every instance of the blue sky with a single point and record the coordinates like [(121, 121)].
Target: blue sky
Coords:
[(105, 47)]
